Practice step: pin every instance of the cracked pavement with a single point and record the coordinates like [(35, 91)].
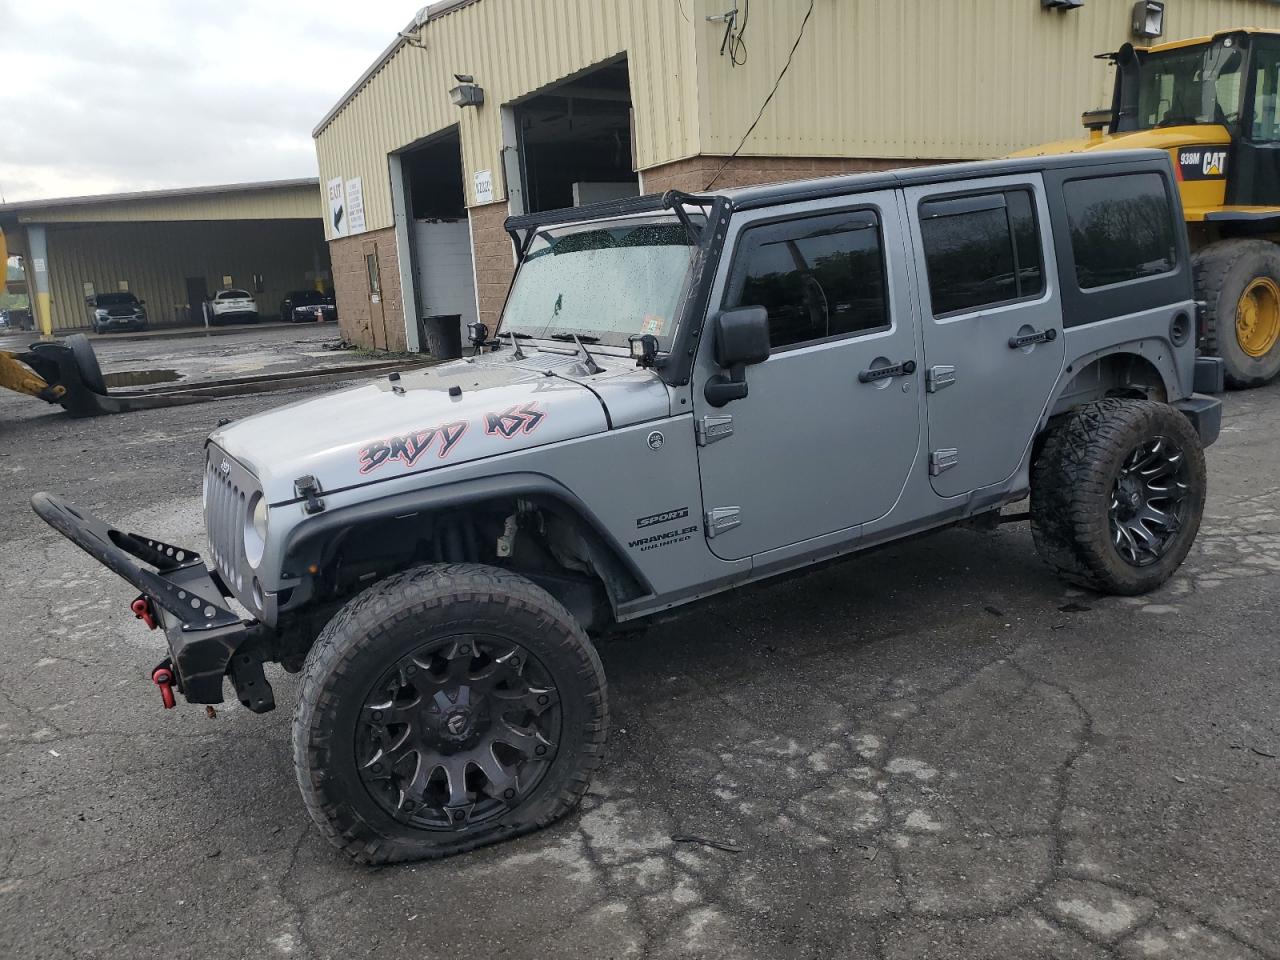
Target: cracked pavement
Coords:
[(934, 750)]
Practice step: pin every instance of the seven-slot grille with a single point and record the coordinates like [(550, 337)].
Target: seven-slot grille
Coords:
[(228, 490)]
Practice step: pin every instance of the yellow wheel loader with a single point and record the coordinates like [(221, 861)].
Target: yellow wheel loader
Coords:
[(1212, 103)]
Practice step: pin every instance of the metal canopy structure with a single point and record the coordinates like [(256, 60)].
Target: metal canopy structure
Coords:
[(168, 247)]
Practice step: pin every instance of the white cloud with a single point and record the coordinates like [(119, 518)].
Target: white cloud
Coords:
[(140, 94)]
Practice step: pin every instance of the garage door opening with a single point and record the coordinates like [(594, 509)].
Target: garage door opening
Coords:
[(440, 237), (575, 141)]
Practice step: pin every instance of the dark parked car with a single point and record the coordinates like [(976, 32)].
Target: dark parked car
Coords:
[(300, 306), (116, 311)]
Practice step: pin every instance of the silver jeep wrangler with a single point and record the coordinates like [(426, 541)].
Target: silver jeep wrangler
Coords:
[(686, 393)]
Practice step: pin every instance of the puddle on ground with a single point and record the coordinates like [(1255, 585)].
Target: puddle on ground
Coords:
[(140, 378)]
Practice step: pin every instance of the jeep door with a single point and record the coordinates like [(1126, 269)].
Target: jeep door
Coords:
[(812, 449), (992, 320)]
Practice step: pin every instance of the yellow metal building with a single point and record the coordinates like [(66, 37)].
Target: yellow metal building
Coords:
[(586, 99), (169, 248)]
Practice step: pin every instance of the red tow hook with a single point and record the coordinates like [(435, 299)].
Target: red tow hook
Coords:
[(142, 610), (162, 677)]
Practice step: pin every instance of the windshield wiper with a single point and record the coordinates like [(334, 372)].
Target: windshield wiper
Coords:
[(571, 337), (517, 334)]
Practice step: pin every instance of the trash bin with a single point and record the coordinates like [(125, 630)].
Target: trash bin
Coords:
[(442, 336)]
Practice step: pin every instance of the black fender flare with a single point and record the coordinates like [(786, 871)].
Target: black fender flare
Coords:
[(1164, 368), (305, 544)]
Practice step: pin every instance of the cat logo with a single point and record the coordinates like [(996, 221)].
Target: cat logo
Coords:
[(1202, 163)]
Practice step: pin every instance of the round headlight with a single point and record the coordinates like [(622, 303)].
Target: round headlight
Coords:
[(260, 516), (255, 530)]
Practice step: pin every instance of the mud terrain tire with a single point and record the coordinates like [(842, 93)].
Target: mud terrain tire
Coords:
[(1102, 468), (424, 635)]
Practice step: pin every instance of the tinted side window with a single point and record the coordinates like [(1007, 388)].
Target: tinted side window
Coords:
[(818, 277), (1026, 243), (981, 250), (1121, 228)]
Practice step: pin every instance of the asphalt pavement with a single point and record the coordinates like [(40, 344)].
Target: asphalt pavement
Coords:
[(934, 751)]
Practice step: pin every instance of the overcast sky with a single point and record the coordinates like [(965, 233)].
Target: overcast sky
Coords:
[(105, 95)]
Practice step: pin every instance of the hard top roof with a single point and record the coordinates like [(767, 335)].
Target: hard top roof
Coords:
[(797, 191)]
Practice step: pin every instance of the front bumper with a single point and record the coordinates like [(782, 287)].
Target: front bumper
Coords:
[(207, 641)]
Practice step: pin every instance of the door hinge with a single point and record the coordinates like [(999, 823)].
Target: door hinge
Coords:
[(940, 376), (711, 429), (720, 519), (943, 460)]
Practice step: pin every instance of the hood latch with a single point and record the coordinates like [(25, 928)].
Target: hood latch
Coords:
[(308, 488)]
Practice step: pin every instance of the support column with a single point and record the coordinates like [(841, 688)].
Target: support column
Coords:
[(36, 266), (400, 201)]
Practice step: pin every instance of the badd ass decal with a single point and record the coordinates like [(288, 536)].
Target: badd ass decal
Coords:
[(409, 448)]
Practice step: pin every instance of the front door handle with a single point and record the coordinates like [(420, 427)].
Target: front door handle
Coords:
[(1027, 339), (905, 368)]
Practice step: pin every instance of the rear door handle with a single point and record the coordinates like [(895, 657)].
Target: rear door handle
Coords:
[(1026, 340), (905, 368)]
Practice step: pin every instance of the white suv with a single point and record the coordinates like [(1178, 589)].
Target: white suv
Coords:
[(233, 304)]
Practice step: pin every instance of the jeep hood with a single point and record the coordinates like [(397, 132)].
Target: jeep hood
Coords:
[(453, 413)]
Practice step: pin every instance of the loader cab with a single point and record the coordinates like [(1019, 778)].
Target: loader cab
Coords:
[(1217, 98)]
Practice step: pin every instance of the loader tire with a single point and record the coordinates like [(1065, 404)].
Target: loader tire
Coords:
[(1239, 282), (86, 362)]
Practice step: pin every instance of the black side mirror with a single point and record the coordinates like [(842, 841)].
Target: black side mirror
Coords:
[(741, 338)]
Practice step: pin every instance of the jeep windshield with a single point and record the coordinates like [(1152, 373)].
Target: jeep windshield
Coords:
[(1190, 85), (604, 282)]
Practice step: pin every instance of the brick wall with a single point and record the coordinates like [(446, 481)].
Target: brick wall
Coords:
[(693, 174), (494, 259), (358, 319)]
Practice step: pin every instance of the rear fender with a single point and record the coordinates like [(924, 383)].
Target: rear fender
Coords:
[(1142, 367)]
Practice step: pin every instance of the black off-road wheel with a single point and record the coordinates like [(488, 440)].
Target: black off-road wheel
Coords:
[(1239, 281), (1117, 493), (443, 709)]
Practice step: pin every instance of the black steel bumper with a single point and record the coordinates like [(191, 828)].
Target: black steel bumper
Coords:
[(207, 641)]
